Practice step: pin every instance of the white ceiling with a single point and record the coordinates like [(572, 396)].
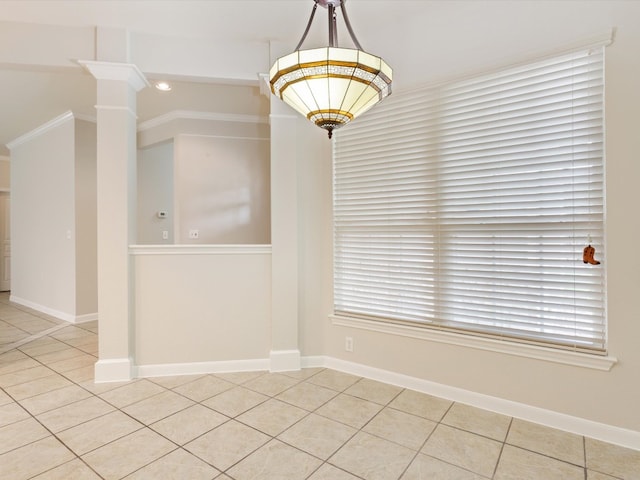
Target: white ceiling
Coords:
[(36, 95)]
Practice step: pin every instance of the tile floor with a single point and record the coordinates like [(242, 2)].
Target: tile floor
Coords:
[(317, 424)]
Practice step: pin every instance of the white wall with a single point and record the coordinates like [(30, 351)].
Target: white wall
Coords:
[(53, 219), (155, 193), (448, 43), (43, 219)]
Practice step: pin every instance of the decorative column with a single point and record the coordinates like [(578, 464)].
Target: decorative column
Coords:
[(117, 86), (285, 353)]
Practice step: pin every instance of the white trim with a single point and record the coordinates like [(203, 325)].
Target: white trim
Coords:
[(113, 370), (124, 72), (284, 360), (199, 249), (565, 357), (194, 115), (67, 317), (44, 128), (222, 366), (580, 426), (87, 317), (265, 85), (117, 108)]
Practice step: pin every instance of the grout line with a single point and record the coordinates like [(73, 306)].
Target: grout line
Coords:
[(35, 336)]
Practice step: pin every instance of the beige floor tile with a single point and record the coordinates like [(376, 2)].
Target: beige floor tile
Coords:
[(89, 339), (476, 420), (184, 426), (155, 408), (73, 470), (591, 475), (126, 455), (272, 417), (275, 460), (308, 396), (9, 365), (564, 446), (95, 433), (271, 384), (4, 398), (349, 410), (372, 458), (70, 332), (99, 388), (466, 450), (74, 414), (33, 459), (424, 467), (373, 391), (43, 345), (303, 373), (317, 435), (82, 374), (227, 444), (11, 413), (235, 401), (421, 404), (334, 380), (24, 374), (173, 381), (240, 377), (58, 355), (84, 360), (329, 472), (203, 388), (21, 433), (177, 465), (54, 399), (131, 393), (518, 464), (36, 387), (403, 428), (612, 460)]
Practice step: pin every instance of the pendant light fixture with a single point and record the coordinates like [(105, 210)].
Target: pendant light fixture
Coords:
[(330, 85)]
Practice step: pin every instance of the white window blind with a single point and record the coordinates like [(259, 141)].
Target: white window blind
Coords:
[(467, 206)]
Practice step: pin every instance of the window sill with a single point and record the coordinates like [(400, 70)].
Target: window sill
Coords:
[(596, 362)]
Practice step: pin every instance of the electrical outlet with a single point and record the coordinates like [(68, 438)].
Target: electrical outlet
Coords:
[(194, 233), (165, 234), (348, 344)]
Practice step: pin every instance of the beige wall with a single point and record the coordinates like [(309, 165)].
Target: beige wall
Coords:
[(155, 193), (201, 306), (5, 173), (222, 190), (497, 33)]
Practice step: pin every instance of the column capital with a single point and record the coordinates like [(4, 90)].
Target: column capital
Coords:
[(125, 72)]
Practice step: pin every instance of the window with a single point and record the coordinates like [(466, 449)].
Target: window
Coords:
[(466, 206)]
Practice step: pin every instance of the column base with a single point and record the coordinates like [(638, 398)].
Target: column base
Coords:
[(113, 370)]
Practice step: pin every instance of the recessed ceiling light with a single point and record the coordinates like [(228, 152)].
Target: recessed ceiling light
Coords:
[(163, 86)]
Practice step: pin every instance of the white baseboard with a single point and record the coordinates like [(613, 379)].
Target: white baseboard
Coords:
[(284, 360), (67, 317), (599, 431), (198, 368), (113, 370)]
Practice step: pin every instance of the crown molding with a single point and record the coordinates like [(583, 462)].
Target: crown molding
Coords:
[(36, 132), (124, 72), (202, 116)]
